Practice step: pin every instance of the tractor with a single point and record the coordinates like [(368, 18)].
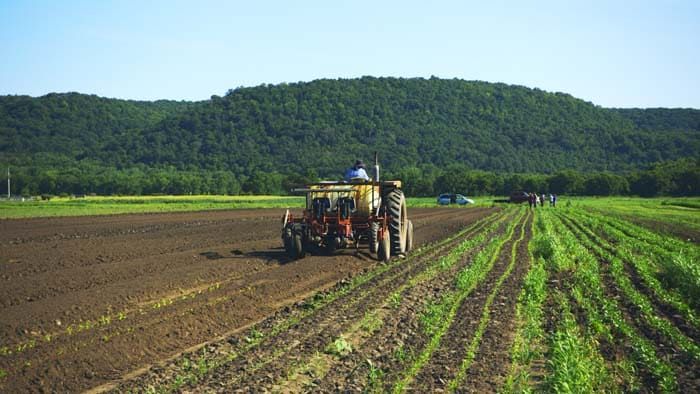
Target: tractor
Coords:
[(341, 215)]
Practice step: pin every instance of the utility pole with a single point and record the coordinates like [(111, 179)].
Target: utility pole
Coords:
[(8, 183)]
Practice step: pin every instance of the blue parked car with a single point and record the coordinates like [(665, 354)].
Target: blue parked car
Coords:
[(451, 198)]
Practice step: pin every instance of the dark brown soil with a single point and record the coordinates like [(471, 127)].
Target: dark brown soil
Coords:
[(401, 331), (276, 357), (85, 301), (489, 368), (491, 364)]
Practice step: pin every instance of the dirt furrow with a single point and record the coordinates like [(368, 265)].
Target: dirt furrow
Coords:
[(445, 362), (399, 324), (273, 357), (491, 364), (305, 328)]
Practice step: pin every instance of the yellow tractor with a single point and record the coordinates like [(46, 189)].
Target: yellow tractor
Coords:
[(339, 215)]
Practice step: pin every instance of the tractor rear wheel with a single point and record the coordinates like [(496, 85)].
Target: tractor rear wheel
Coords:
[(297, 245), (398, 221), (288, 239), (409, 236), (329, 247), (373, 237), (384, 248)]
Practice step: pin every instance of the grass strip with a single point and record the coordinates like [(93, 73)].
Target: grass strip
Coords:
[(145, 204)]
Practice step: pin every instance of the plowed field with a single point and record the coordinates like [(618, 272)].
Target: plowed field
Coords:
[(84, 301), (491, 300)]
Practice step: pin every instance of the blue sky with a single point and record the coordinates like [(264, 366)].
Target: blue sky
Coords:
[(612, 53)]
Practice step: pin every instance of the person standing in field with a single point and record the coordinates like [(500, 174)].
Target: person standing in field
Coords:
[(554, 200), (542, 199)]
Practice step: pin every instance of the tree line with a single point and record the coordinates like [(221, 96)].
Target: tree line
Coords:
[(675, 178), (438, 135), (323, 124)]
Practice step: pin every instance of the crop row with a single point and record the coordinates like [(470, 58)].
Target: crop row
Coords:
[(373, 317), (288, 334), (646, 310), (589, 317), (389, 309), (438, 316), (672, 261)]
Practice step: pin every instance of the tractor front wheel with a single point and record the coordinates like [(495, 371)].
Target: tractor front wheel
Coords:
[(297, 245), (293, 243), (288, 240)]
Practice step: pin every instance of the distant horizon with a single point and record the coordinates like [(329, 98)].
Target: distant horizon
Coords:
[(339, 78)]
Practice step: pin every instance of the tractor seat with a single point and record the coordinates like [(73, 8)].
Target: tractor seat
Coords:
[(320, 206), (346, 206)]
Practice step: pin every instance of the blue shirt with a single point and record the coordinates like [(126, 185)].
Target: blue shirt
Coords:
[(353, 172)]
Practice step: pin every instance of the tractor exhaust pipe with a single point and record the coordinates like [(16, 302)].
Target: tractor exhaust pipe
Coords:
[(376, 179), (376, 167)]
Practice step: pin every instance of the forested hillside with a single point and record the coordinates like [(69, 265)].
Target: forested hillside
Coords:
[(662, 119), (272, 134), (75, 126)]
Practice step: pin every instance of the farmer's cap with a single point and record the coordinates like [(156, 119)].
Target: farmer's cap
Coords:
[(359, 164)]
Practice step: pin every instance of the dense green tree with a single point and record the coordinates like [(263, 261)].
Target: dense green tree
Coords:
[(566, 182), (605, 184)]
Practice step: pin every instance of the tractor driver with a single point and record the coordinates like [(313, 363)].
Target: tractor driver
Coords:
[(356, 172)]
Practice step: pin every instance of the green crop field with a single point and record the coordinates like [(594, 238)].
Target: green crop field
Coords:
[(152, 204), (147, 204), (620, 300)]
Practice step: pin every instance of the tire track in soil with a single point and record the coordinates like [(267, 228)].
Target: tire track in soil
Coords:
[(686, 368), (272, 358), (349, 373), (236, 342), (446, 360)]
